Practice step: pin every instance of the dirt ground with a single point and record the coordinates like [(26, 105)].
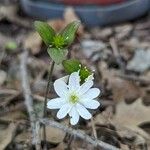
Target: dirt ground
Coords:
[(120, 58)]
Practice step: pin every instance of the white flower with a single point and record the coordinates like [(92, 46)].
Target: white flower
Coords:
[(74, 99)]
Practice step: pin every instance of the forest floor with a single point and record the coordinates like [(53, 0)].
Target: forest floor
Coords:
[(120, 58)]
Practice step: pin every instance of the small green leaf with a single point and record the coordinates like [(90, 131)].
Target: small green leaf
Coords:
[(71, 65), (11, 46), (84, 73), (57, 54), (68, 33), (45, 31)]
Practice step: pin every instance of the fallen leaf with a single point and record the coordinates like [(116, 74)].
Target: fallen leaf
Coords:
[(23, 137), (128, 90), (132, 115), (6, 135), (33, 42), (55, 135), (13, 116), (137, 111)]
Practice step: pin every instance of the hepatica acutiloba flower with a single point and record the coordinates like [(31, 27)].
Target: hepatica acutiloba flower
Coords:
[(75, 98)]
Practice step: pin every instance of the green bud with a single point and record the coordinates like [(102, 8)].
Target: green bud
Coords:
[(71, 65)]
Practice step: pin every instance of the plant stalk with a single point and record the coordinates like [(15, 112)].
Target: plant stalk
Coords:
[(45, 101)]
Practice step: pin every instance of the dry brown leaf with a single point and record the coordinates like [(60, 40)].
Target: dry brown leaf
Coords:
[(6, 135), (33, 42), (23, 137), (132, 114), (125, 90), (54, 135), (121, 89), (13, 116)]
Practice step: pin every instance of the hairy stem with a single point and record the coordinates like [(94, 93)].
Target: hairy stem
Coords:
[(45, 101)]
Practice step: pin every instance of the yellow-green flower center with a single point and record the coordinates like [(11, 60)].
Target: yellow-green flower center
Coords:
[(73, 99), (58, 41)]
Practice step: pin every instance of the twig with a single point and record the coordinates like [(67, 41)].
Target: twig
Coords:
[(45, 101), (79, 134), (93, 128), (116, 54), (28, 97), (134, 78)]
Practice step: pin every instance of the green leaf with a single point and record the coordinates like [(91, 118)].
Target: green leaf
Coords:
[(45, 31), (71, 65), (84, 73), (68, 33), (11, 46), (57, 54)]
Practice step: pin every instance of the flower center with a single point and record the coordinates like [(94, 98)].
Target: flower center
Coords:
[(73, 99), (58, 41)]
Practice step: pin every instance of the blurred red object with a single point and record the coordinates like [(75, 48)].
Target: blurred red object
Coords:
[(85, 2)]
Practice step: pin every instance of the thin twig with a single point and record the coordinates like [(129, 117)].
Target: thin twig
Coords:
[(28, 98), (134, 78), (117, 54), (79, 134), (93, 128), (45, 101)]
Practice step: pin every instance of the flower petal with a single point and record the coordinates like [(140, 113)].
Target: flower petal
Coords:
[(91, 104), (74, 81), (85, 86), (63, 111), (91, 94), (60, 87), (55, 103), (83, 112), (74, 116)]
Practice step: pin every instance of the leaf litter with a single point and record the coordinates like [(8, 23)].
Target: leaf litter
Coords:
[(125, 101)]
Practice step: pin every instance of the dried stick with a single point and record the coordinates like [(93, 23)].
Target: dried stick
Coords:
[(79, 134), (116, 54), (93, 128), (28, 98), (143, 80)]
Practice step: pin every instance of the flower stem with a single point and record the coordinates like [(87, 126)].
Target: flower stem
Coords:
[(45, 101)]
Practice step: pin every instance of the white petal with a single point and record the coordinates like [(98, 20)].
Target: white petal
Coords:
[(91, 104), (91, 94), (85, 86), (55, 103), (74, 81), (63, 111), (60, 87), (74, 116), (65, 78), (83, 112)]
